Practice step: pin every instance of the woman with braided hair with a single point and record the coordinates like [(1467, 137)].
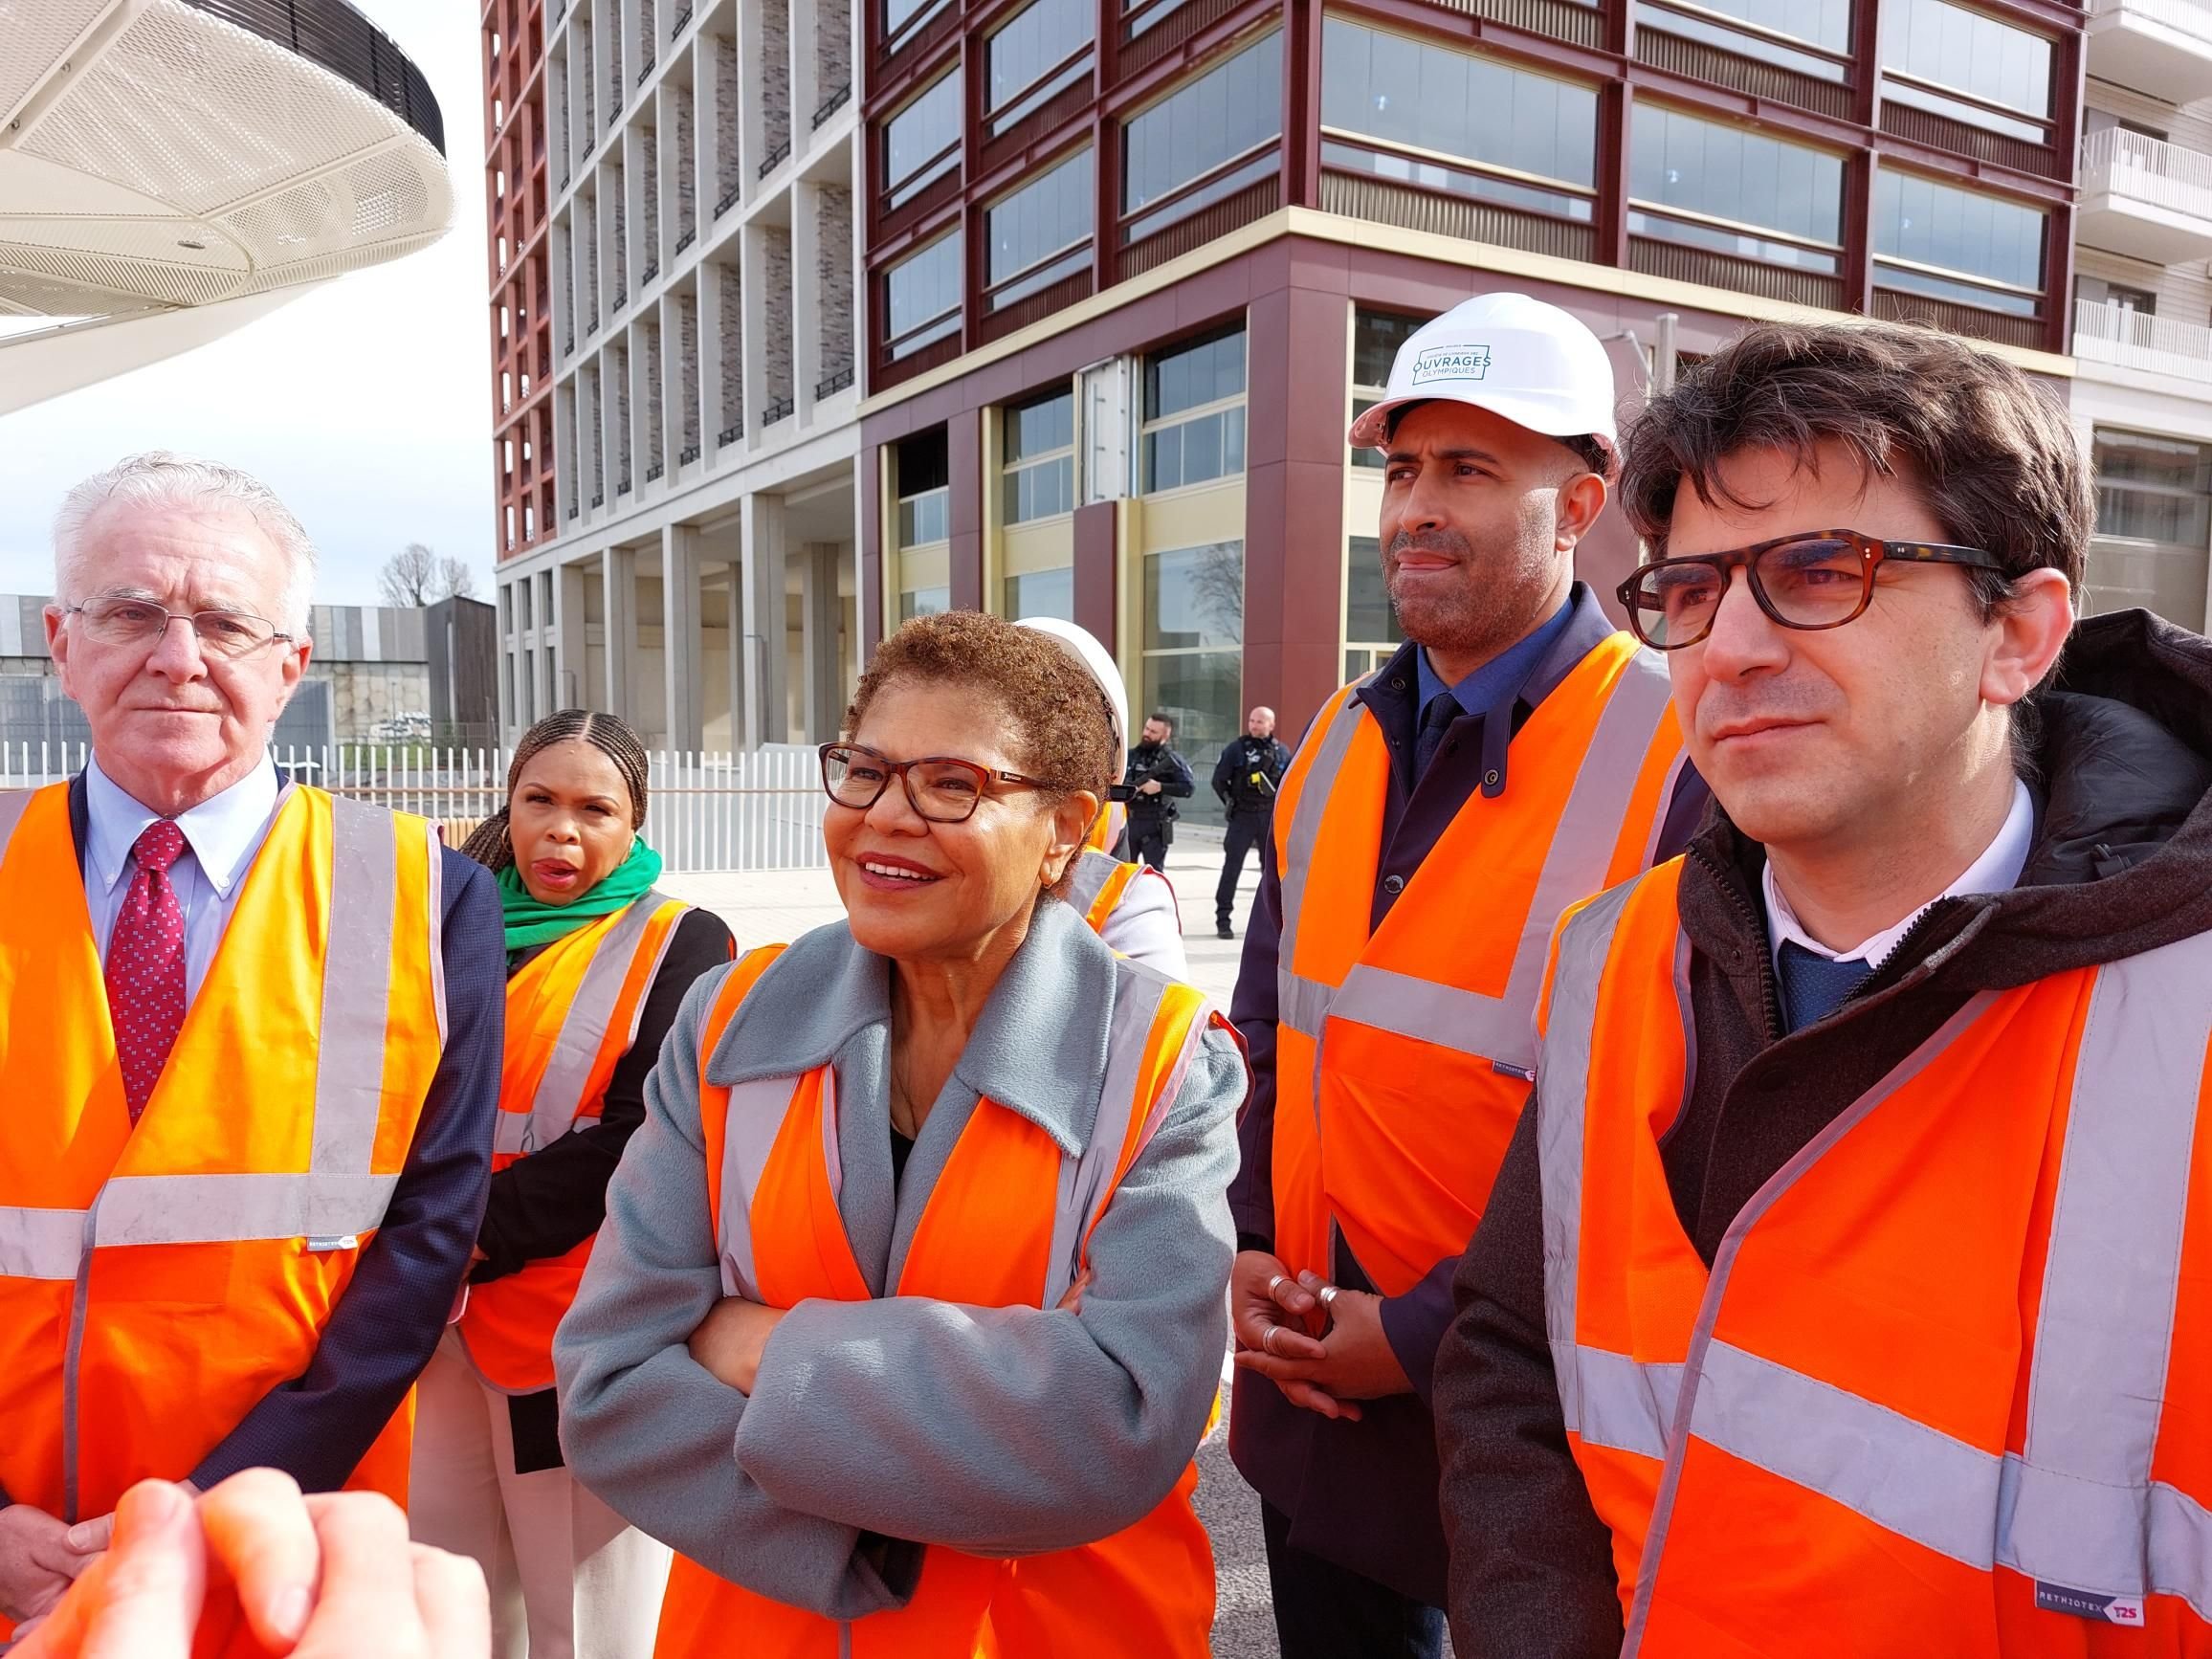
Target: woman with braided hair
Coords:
[(598, 964)]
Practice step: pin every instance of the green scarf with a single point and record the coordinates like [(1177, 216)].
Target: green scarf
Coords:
[(532, 923)]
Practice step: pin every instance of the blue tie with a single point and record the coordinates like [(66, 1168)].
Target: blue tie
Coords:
[(1814, 986), (1435, 720)]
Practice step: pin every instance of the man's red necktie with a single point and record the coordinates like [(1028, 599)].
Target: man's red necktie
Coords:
[(145, 966)]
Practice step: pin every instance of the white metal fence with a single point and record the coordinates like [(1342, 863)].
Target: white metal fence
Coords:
[(759, 810), (2162, 344), (2188, 17)]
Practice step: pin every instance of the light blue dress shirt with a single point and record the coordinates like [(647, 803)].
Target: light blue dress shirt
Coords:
[(221, 837)]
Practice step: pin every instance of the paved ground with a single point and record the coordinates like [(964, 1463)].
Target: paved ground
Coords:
[(771, 907)]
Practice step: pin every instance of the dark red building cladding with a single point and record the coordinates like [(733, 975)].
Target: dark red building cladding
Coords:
[(522, 312)]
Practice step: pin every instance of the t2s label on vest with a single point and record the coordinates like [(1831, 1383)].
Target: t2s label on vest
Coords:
[(2088, 1604)]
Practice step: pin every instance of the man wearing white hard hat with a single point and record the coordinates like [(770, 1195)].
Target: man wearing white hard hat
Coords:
[(1516, 755), (1130, 906)]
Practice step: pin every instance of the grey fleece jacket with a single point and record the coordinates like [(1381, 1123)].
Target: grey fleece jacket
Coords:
[(1000, 1431)]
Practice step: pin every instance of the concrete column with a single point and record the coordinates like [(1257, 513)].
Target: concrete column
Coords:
[(764, 717), (569, 687), (681, 650), (819, 612), (618, 576), (734, 584), (806, 287)]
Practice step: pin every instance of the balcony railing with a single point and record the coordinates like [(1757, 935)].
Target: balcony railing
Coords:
[(728, 200), (831, 104), (599, 497), (776, 158), (682, 17), (653, 472), (621, 299), (686, 240), (647, 274), (779, 411), (2128, 339), (645, 72), (622, 485), (835, 384), (729, 435), (689, 454), (2146, 169)]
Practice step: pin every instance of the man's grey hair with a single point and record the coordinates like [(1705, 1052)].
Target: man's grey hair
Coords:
[(163, 479)]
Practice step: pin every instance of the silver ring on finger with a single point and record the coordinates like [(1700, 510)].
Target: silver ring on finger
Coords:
[(1267, 1338), (1328, 1294), (1275, 1284)]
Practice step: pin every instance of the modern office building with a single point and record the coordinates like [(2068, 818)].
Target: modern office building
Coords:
[(515, 215), (2142, 338), (693, 567), (1135, 266)]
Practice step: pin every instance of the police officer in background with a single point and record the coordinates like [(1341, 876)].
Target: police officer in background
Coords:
[(1244, 777), (1160, 777)]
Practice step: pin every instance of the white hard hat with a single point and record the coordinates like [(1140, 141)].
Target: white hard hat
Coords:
[(1517, 357), (1081, 644)]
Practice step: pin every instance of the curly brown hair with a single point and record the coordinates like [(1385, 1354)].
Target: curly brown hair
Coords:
[(1063, 727)]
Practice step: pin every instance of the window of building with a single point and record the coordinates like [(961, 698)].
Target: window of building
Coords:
[(921, 297), (1194, 413), (921, 141), (1042, 593), (1194, 650), (2118, 295), (1041, 234), (1376, 337), (1038, 440), (1956, 245), (1810, 37), (1205, 141), (1038, 56), (1706, 185), (902, 18), (2154, 526), (1968, 66), (1430, 105), (921, 474), (1371, 630)]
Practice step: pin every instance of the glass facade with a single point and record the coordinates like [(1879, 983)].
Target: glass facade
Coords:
[(1429, 98), (1199, 128), (1948, 47), (924, 485), (1042, 593), (1376, 337), (1727, 173), (916, 602), (2154, 526), (1040, 234), (922, 296), (1193, 432), (1810, 37), (1981, 251), (1027, 61), (1038, 440), (921, 141), (1194, 651), (1371, 630)]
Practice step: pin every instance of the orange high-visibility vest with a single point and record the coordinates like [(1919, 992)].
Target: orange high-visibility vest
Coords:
[(1098, 886), (157, 1282), (1402, 1056), (1946, 1389), (572, 1013), (1007, 1224)]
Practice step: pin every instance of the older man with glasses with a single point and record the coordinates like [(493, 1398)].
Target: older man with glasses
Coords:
[(250, 1040), (1848, 1286)]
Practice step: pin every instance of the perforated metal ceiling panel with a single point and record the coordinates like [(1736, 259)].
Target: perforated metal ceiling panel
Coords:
[(214, 162)]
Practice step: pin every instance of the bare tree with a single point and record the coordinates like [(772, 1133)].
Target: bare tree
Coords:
[(416, 575)]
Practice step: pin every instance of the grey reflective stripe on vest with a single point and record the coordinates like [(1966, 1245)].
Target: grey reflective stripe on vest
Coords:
[(559, 1098), (437, 900), (1305, 827), (40, 1244), (1502, 1029), (756, 1111), (356, 985), (1563, 1114), (1087, 1179), (2079, 1508), (145, 1209), (1093, 870)]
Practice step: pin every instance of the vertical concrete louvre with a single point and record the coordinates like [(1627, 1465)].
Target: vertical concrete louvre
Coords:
[(681, 650), (765, 718), (618, 572), (821, 611)]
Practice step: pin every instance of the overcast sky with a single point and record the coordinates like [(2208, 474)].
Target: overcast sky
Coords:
[(365, 404)]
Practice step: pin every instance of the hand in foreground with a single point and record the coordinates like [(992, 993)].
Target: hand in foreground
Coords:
[(1354, 1362), (37, 1562), (731, 1339), (1268, 1311), (327, 1577)]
